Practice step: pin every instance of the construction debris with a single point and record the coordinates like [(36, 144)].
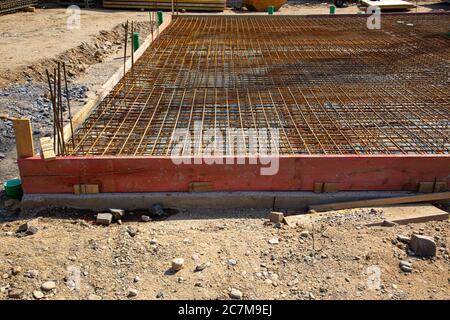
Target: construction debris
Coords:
[(413, 213), (117, 213), (381, 202), (276, 217), (177, 264), (104, 218), (10, 6), (422, 246)]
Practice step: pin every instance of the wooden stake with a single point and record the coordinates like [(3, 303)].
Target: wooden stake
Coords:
[(24, 138)]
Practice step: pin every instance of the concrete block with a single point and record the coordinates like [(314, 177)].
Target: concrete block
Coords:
[(276, 217), (104, 218)]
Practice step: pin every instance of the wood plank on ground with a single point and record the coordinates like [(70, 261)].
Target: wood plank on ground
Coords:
[(382, 202), (388, 4), (411, 213)]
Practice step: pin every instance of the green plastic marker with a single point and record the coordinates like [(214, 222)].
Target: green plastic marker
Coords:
[(160, 17), (270, 9), (136, 43), (332, 10)]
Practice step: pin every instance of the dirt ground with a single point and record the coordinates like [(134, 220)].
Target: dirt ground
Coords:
[(90, 261), (340, 258)]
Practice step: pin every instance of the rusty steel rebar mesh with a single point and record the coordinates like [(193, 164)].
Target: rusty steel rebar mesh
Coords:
[(327, 83)]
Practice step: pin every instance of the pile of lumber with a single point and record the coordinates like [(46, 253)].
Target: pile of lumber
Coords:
[(9, 6), (192, 5)]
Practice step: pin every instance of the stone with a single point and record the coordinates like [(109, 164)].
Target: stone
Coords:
[(48, 286), (231, 262), (104, 218), (145, 218), (402, 238), (132, 231), (16, 270), (153, 241), (276, 217), (136, 279), (177, 264), (94, 297), (235, 294), (132, 293), (304, 234), (405, 266), (38, 294), (31, 231), (15, 293), (31, 274), (201, 267), (157, 210), (27, 229), (117, 213), (422, 246), (274, 241)]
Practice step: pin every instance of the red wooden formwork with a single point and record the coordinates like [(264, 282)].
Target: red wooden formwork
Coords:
[(296, 173)]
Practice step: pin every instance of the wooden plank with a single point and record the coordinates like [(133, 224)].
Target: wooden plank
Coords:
[(425, 187), (24, 138), (416, 213), (201, 187), (86, 188), (318, 187), (79, 118), (388, 4), (381, 202), (440, 186), (330, 187)]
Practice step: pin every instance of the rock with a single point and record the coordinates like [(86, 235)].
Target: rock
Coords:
[(235, 294), (31, 230), (104, 218), (160, 295), (136, 279), (94, 297), (27, 229), (48, 286), (145, 218), (38, 294), (201, 267), (153, 241), (231, 262), (423, 246), (31, 274), (132, 293), (16, 270), (177, 264), (304, 234), (405, 266), (117, 213), (276, 217), (132, 231), (274, 241), (402, 238), (15, 293), (157, 210)]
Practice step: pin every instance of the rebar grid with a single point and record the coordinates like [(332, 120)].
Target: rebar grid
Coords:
[(329, 85)]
